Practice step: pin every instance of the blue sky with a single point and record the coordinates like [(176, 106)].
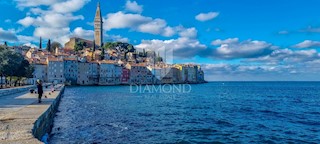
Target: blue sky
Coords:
[(232, 40)]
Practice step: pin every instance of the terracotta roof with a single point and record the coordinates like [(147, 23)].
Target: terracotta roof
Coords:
[(107, 62), (71, 59), (67, 50), (46, 52), (93, 62), (54, 59), (40, 63), (139, 64)]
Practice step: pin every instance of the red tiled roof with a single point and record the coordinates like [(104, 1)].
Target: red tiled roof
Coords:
[(54, 59), (70, 59)]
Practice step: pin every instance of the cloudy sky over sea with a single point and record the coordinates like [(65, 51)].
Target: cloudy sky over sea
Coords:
[(232, 39)]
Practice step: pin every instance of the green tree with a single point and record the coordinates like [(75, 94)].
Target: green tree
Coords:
[(79, 45), (102, 53), (10, 63), (49, 46), (144, 53), (93, 50), (40, 44), (108, 45), (2, 49), (13, 64), (130, 48), (55, 45), (24, 70)]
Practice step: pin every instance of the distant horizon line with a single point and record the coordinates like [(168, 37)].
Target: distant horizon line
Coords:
[(263, 81)]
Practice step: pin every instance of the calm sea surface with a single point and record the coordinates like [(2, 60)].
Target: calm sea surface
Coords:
[(226, 112)]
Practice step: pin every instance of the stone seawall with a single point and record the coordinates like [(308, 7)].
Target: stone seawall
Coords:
[(23, 119), (5, 92), (44, 123)]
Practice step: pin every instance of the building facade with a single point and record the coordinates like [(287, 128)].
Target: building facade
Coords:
[(140, 74), (107, 73), (71, 70), (125, 77), (40, 72), (55, 70), (87, 73)]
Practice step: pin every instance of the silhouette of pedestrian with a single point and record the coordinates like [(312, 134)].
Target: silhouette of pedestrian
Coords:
[(40, 90)]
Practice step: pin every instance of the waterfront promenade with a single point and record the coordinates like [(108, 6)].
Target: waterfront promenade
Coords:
[(20, 111)]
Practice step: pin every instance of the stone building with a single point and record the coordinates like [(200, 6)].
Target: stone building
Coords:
[(140, 74), (40, 72), (55, 70), (71, 70), (125, 77), (110, 73), (72, 42), (88, 73), (98, 27)]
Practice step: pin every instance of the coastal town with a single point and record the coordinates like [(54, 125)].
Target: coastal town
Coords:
[(86, 62)]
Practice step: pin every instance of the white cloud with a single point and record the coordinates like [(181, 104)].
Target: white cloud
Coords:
[(89, 34), (27, 21), (133, 7), (226, 41), (206, 16), (281, 64), (155, 26), (284, 32), (233, 49), (262, 72), (287, 56), (34, 3), (138, 23), (189, 32), (311, 29), (27, 39), (307, 44), (8, 35), (69, 6), (82, 33), (30, 45), (122, 20), (53, 20), (182, 47), (36, 11), (168, 31), (7, 21), (57, 34), (116, 38)]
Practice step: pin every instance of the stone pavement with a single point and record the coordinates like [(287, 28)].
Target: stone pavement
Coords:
[(18, 113), (9, 91)]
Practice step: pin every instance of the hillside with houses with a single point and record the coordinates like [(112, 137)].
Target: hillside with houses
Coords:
[(84, 62), (80, 62)]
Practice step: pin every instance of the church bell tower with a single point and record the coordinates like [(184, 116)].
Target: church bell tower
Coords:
[(98, 27)]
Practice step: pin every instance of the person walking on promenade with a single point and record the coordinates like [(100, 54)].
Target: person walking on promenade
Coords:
[(40, 90)]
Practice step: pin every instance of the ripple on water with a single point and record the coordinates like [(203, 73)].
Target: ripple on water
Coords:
[(232, 112)]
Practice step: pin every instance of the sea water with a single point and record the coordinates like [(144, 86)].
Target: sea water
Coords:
[(217, 112)]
